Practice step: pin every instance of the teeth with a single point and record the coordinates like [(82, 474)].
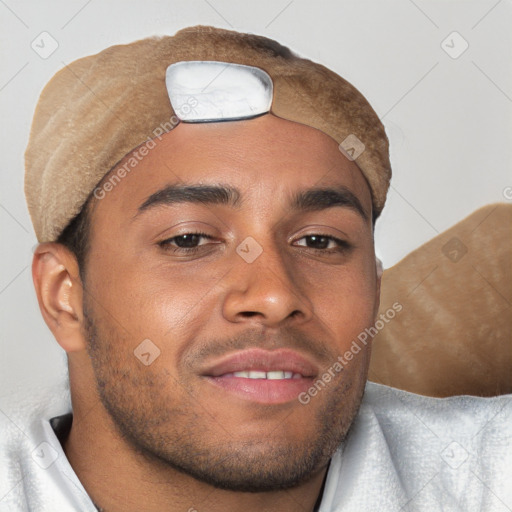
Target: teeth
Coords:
[(274, 375), (257, 375)]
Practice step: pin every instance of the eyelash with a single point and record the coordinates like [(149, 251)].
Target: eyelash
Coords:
[(343, 245), (165, 244)]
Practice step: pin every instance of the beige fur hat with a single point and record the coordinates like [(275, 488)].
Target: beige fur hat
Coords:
[(99, 108)]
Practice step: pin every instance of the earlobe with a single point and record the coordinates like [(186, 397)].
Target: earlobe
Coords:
[(59, 293)]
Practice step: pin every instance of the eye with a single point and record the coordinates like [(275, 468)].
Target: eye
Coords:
[(324, 243), (187, 242)]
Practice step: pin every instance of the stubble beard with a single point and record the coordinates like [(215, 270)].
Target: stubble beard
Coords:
[(181, 437)]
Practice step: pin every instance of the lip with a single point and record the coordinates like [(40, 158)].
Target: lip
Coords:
[(262, 391), (263, 360)]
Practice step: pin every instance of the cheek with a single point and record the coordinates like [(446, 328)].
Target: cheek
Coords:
[(158, 302), (161, 301), (344, 301)]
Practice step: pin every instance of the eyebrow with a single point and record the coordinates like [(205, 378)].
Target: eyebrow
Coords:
[(314, 199), (207, 194)]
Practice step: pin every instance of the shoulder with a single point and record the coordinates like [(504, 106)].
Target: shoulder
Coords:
[(426, 452), (34, 472)]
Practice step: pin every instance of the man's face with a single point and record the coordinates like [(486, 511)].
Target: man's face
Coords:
[(183, 268)]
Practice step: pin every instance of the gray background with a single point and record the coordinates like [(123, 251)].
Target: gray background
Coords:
[(449, 119)]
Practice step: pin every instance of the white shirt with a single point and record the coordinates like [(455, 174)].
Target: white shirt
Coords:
[(405, 452)]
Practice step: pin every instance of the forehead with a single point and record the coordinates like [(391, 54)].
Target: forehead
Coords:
[(265, 157)]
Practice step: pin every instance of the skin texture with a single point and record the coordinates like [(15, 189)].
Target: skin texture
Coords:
[(163, 436)]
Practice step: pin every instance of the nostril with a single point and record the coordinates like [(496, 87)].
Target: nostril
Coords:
[(249, 314)]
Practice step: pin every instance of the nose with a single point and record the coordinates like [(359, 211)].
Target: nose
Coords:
[(265, 291)]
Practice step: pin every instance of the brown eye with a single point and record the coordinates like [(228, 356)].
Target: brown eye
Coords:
[(317, 242), (187, 241), (323, 243)]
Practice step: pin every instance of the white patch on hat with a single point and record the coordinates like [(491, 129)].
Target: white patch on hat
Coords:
[(206, 91)]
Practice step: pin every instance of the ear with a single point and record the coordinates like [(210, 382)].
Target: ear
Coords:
[(60, 294), (379, 270)]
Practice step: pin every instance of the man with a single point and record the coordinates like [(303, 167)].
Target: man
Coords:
[(205, 205)]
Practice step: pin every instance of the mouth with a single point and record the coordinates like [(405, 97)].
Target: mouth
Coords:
[(261, 376)]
